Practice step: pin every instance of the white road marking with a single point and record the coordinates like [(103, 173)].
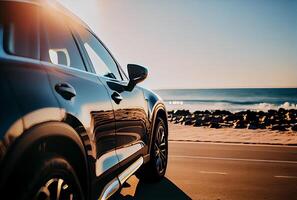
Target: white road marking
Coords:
[(234, 159), (207, 172), (285, 176)]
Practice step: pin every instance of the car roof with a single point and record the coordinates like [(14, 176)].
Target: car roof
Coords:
[(54, 4)]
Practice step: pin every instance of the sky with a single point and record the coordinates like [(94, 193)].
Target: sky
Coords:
[(199, 43)]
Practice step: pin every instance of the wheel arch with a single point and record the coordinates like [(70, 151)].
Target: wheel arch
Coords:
[(48, 137), (159, 110)]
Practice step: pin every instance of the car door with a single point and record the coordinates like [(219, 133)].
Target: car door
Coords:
[(79, 92), (130, 107)]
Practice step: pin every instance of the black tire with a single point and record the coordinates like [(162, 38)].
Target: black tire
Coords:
[(44, 179), (155, 169)]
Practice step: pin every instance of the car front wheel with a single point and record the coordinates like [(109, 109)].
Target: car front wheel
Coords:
[(155, 169)]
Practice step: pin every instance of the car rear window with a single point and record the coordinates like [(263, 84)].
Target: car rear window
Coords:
[(57, 43), (20, 24)]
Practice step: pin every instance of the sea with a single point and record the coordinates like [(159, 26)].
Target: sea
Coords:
[(234, 100)]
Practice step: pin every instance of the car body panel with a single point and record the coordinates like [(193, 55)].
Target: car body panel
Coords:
[(91, 106), (131, 115), (114, 135), (131, 112), (35, 102)]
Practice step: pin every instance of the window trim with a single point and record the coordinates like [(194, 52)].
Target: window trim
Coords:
[(44, 33), (83, 49), (85, 56)]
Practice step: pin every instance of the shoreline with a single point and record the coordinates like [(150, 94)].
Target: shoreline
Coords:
[(183, 133), (274, 127)]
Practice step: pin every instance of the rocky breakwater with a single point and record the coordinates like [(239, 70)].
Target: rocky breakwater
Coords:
[(281, 120)]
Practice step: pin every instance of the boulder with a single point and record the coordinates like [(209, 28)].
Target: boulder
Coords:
[(173, 119), (206, 118), (226, 125), (262, 126), (182, 119), (253, 125), (278, 127), (272, 112), (199, 115), (291, 118), (293, 112), (176, 119), (261, 114), (239, 116), (229, 118), (189, 117), (239, 124), (188, 122), (216, 119), (182, 112), (283, 120), (250, 116), (288, 116), (198, 112), (274, 119), (265, 120), (205, 123), (215, 125), (221, 112), (294, 127), (282, 111), (198, 122)]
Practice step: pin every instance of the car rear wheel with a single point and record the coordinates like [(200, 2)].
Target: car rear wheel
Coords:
[(56, 188), (50, 179), (155, 169)]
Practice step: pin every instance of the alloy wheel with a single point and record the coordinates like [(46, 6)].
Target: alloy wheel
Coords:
[(55, 189), (160, 148)]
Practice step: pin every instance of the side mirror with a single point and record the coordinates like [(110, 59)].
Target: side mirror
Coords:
[(136, 74)]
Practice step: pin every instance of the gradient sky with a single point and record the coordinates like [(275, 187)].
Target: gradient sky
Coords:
[(200, 43)]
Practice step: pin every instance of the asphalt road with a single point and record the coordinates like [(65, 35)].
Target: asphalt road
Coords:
[(222, 171)]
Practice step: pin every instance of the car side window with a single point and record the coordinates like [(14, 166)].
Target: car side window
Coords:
[(102, 61), (58, 44), (20, 28)]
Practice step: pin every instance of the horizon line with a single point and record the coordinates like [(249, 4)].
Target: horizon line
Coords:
[(294, 87)]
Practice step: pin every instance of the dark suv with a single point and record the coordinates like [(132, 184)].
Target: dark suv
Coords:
[(72, 124)]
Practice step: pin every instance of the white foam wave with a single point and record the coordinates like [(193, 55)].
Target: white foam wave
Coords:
[(177, 105)]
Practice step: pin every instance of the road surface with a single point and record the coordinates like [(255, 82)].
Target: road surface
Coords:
[(222, 171)]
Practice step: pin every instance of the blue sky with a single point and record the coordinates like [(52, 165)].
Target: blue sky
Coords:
[(200, 43)]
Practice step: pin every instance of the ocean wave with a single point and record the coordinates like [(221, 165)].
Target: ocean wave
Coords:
[(223, 105), (247, 102), (268, 106)]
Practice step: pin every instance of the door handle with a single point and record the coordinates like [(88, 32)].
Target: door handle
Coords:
[(116, 97), (65, 90)]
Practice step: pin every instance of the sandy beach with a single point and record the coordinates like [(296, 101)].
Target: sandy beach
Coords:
[(179, 132)]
